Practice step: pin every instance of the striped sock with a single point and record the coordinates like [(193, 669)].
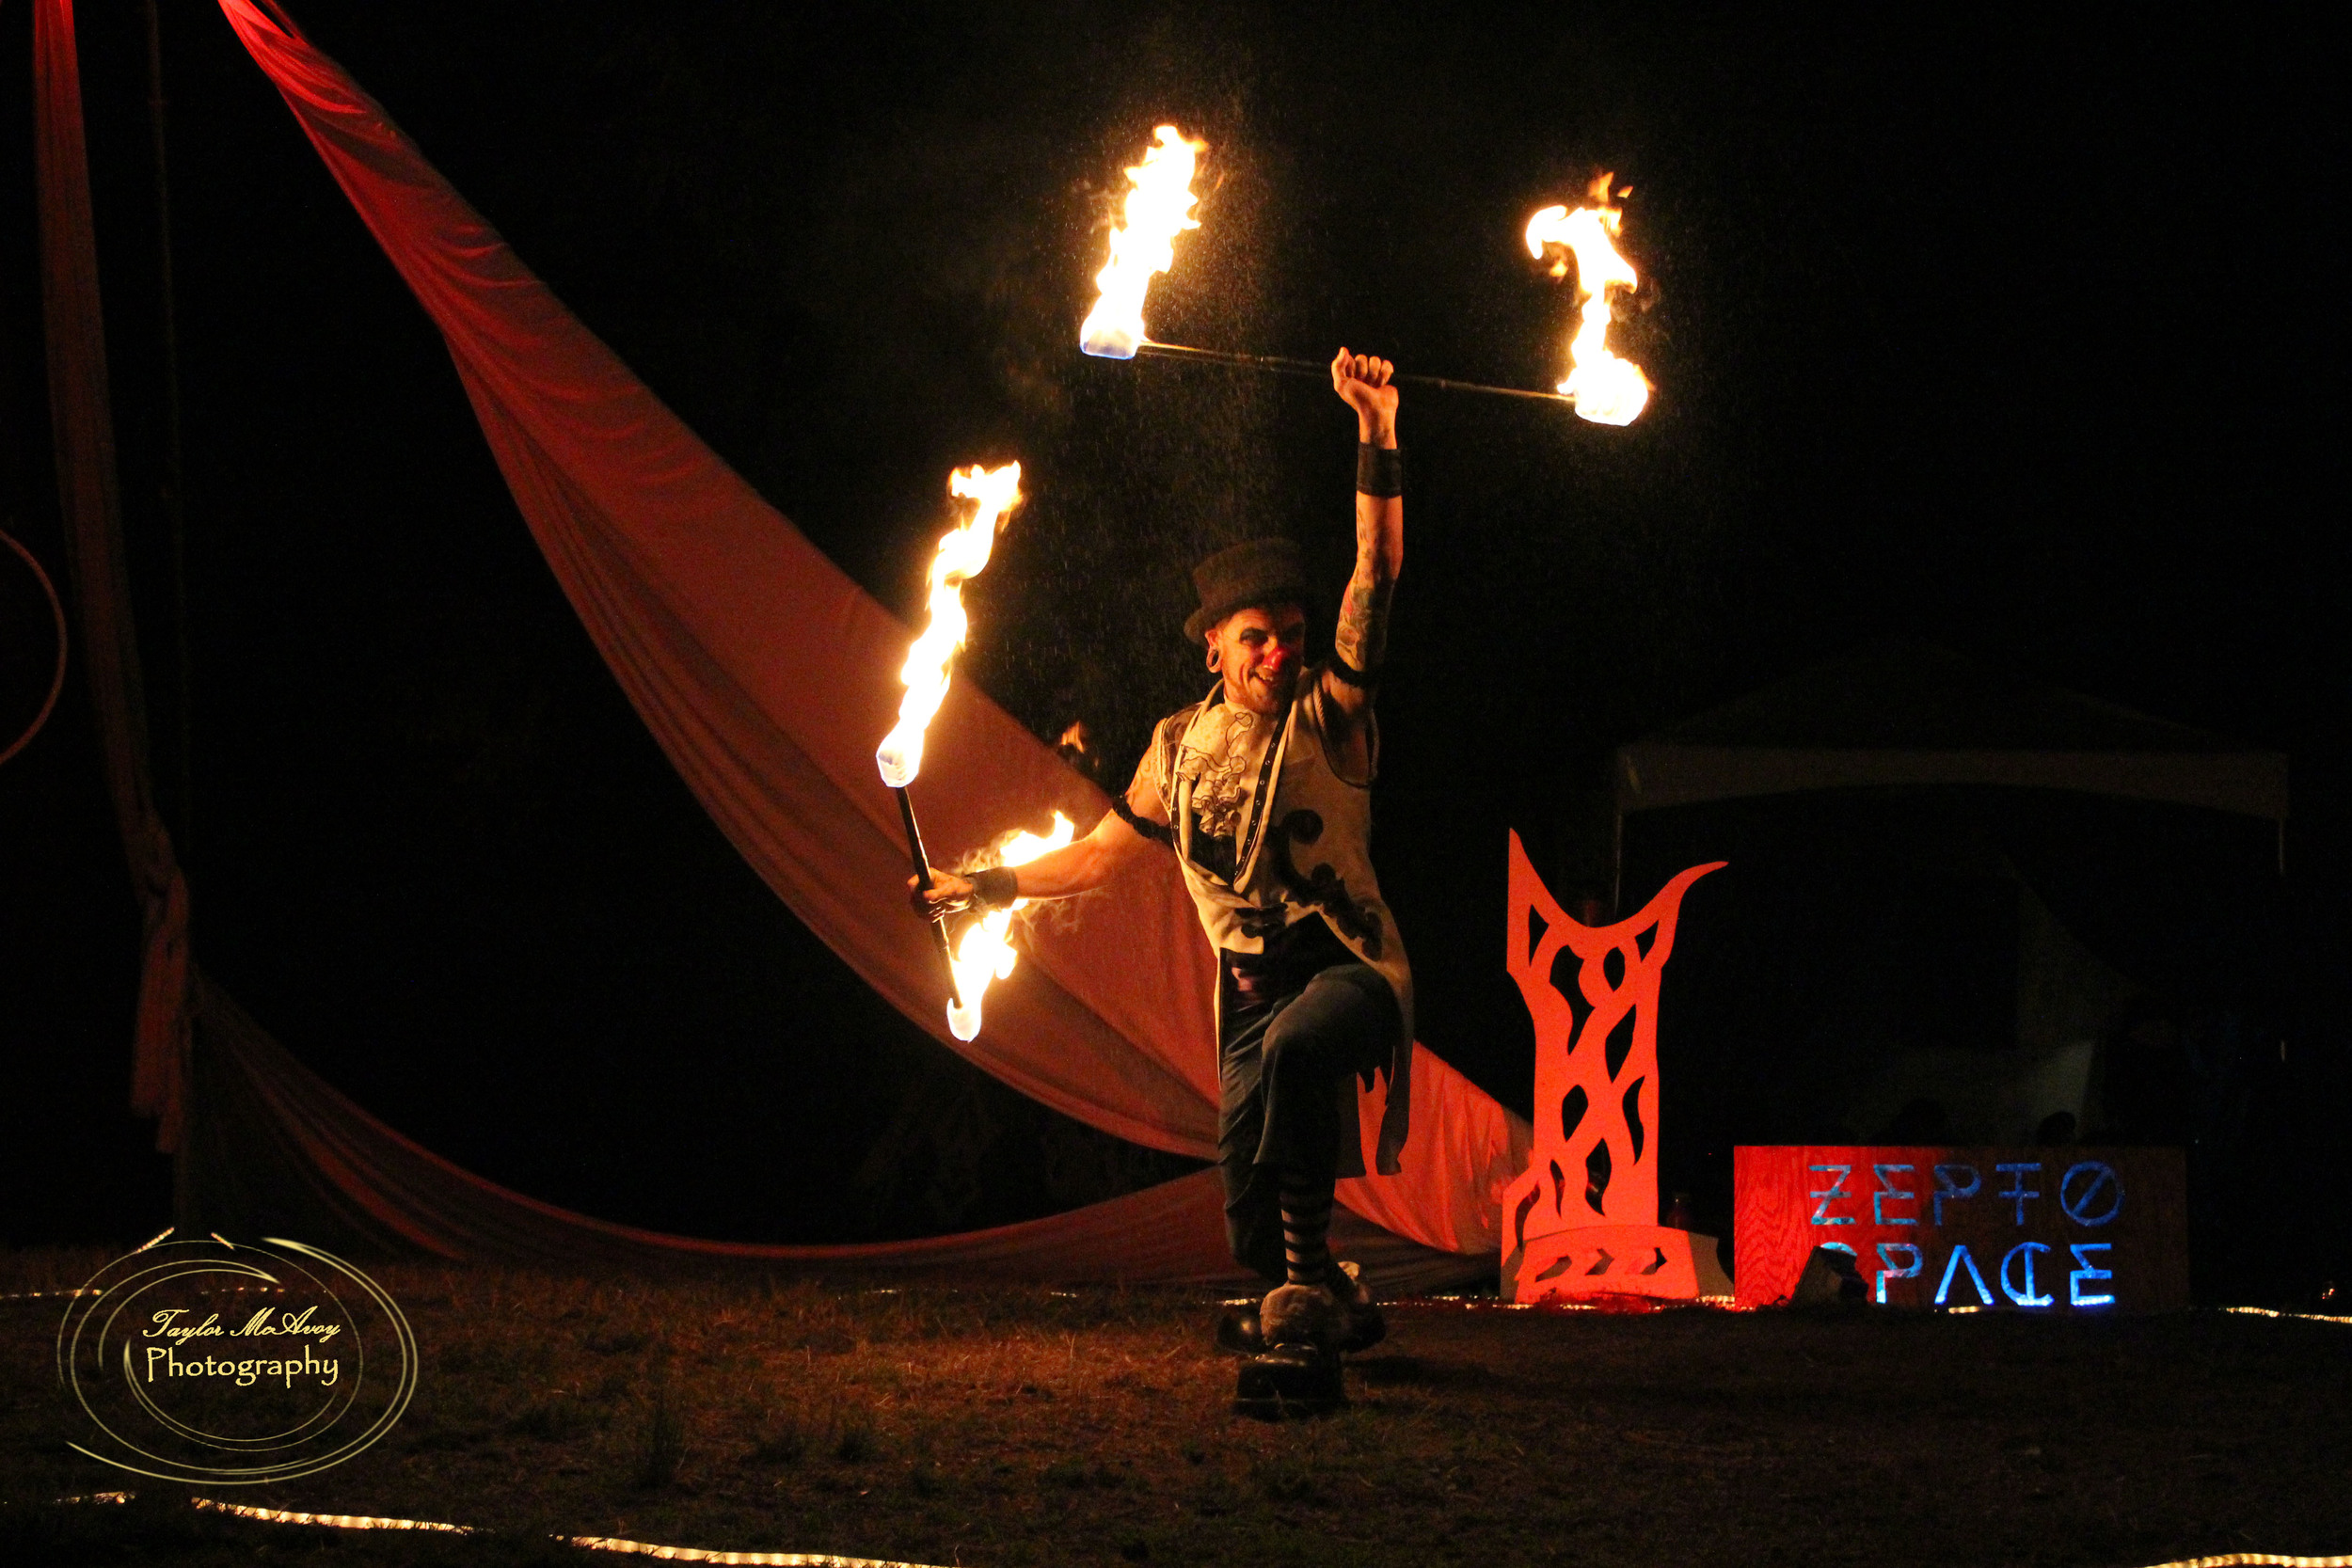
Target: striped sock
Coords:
[(1306, 1224)]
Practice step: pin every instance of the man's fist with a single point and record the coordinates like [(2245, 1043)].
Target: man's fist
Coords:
[(1363, 381), (947, 895)]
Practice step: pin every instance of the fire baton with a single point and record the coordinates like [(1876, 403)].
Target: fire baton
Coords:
[(923, 880), (962, 552), (1602, 388), (1278, 365)]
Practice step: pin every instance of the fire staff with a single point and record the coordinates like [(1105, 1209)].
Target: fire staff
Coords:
[(1262, 789)]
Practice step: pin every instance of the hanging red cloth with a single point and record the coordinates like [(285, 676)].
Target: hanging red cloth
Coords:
[(89, 504), (275, 1142), (765, 674)]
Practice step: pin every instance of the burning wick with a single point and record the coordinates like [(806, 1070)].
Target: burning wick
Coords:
[(963, 551), (1158, 209), (962, 554), (1608, 390), (983, 953)]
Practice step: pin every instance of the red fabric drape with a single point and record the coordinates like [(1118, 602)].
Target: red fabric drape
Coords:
[(82, 430), (266, 1145), (767, 675), (764, 672), (280, 1152)]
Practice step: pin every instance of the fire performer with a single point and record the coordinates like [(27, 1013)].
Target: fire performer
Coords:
[(1263, 791)]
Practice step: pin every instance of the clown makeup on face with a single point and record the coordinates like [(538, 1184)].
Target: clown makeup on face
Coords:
[(1259, 650)]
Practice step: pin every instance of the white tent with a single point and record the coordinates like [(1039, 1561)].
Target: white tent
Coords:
[(1908, 716), (1904, 713)]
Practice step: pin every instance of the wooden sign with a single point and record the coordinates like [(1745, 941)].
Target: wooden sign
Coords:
[(2051, 1230)]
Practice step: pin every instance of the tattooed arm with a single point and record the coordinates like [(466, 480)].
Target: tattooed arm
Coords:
[(1361, 637)]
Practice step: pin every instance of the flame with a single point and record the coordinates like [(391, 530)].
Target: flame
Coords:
[(983, 953), (1608, 390), (1158, 209), (962, 552)]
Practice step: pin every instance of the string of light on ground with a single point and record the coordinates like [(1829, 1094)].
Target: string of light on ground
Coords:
[(586, 1542), (826, 1559), (2299, 1317)]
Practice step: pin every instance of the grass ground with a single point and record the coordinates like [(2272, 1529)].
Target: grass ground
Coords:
[(1000, 1426)]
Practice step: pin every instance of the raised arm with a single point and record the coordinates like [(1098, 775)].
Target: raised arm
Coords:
[(1074, 868), (1362, 638)]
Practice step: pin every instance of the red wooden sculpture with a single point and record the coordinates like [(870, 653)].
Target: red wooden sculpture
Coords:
[(1582, 1220)]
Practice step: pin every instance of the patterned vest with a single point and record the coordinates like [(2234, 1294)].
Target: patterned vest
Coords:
[(1256, 866)]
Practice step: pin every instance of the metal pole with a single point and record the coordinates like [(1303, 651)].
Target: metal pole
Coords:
[(1280, 365), (923, 880)]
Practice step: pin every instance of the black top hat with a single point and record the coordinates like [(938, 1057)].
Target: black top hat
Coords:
[(1254, 572)]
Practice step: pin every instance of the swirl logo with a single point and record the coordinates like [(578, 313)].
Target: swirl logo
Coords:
[(233, 1364)]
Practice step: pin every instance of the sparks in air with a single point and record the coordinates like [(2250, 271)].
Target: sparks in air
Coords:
[(963, 551), (1158, 208), (1608, 390), (984, 951)]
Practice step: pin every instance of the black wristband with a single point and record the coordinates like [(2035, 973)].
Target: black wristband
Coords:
[(1349, 674), (995, 886), (1379, 470)]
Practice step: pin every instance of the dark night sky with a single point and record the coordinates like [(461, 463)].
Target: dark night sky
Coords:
[(2018, 336)]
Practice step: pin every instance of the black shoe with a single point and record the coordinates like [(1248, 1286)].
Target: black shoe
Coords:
[(1237, 1331), (1289, 1381)]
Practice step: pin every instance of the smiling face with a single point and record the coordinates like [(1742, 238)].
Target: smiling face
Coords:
[(1260, 651)]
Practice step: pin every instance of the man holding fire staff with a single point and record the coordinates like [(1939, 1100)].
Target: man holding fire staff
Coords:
[(1263, 791)]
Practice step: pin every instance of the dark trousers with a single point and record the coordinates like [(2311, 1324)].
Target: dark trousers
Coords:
[(1283, 1066)]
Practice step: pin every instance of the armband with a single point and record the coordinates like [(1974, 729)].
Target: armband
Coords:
[(1351, 675), (996, 886), (1379, 470), (1157, 832)]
